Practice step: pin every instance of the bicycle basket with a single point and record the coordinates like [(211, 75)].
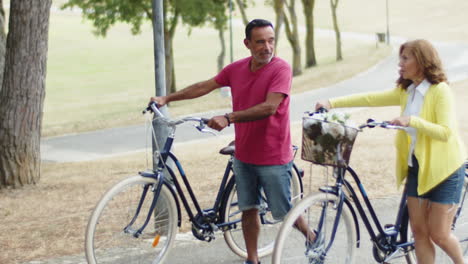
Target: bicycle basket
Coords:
[(327, 143)]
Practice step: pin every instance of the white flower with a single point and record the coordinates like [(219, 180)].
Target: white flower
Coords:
[(339, 117), (335, 130)]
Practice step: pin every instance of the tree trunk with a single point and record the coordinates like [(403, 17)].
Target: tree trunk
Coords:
[(278, 6), (169, 54), (241, 6), (308, 6), (334, 6), (292, 33), (2, 42), (222, 53), (23, 92), (169, 32)]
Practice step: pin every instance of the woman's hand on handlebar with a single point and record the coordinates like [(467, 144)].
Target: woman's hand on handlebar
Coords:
[(160, 100), (401, 121), (218, 123), (323, 104)]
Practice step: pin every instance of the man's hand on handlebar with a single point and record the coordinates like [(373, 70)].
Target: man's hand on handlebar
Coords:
[(160, 100), (218, 123)]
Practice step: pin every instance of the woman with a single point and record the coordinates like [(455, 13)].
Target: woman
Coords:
[(430, 155)]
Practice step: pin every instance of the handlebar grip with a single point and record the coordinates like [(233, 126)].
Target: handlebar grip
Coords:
[(321, 110), (153, 107), (370, 122)]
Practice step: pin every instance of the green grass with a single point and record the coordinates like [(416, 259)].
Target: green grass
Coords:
[(95, 82)]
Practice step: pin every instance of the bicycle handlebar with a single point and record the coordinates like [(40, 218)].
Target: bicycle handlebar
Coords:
[(371, 123), (153, 107), (321, 110)]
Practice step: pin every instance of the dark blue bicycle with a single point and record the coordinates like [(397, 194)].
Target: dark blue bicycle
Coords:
[(136, 221), (333, 214)]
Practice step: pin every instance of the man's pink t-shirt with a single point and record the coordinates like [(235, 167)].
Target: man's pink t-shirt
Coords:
[(266, 141)]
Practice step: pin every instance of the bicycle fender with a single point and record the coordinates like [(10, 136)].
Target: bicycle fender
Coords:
[(332, 190), (171, 189), (300, 173), (356, 222)]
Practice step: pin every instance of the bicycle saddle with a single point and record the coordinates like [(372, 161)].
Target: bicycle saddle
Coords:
[(229, 149)]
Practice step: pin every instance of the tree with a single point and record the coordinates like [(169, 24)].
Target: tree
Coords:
[(308, 8), (242, 6), (23, 92), (219, 21), (2, 41), (105, 14), (278, 6), (292, 33), (334, 6)]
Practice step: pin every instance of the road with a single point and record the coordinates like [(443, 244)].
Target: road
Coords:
[(118, 141), (122, 140)]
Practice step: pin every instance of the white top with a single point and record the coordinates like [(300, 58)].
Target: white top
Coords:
[(413, 107)]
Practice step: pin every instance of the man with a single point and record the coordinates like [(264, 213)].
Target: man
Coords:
[(260, 86)]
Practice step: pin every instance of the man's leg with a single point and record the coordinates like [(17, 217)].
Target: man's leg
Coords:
[(251, 230), (301, 225), (248, 200)]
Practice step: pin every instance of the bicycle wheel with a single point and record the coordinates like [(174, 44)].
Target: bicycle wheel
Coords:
[(290, 246), (235, 238), (460, 230), (106, 241)]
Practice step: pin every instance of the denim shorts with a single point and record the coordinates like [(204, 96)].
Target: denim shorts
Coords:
[(447, 192), (275, 180)]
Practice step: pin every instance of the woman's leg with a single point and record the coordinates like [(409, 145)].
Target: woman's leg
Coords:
[(440, 220), (418, 213)]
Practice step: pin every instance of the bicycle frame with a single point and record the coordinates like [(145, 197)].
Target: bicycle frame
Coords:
[(384, 238), (212, 215), (392, 232), (159, 175), (402, 210)]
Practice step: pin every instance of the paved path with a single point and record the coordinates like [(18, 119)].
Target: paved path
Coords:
[(117, 141), (189, 250)]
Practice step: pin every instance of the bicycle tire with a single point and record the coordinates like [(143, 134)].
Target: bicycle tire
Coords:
[(290, 243), (460, 230), (106, 242), (234, 237)]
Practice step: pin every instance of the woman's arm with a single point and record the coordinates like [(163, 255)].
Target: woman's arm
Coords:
[(441, 108), (383, 98)]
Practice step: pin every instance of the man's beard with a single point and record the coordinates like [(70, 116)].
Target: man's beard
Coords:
[(264, 61)]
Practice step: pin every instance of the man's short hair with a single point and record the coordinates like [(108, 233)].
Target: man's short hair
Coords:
[(256, 23)]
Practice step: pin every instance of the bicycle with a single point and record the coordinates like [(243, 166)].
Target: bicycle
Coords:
[(120, 229), (333, 214)]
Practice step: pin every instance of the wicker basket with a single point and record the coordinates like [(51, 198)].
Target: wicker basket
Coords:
[(327, 143)]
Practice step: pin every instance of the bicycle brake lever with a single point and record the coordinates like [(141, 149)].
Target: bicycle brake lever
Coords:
[(204, 130), (384, 124)]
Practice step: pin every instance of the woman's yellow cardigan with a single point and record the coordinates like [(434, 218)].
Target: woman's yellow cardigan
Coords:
[(439, 149)]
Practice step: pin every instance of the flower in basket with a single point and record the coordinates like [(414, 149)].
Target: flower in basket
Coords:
[(324, 134)]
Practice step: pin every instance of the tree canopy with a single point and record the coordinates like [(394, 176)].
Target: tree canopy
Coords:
[(193, 13)]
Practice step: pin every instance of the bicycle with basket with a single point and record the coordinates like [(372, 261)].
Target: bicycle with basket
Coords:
[(334, 210)]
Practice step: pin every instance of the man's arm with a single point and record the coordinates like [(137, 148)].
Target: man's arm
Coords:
[(190, 92), (253, 113)]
